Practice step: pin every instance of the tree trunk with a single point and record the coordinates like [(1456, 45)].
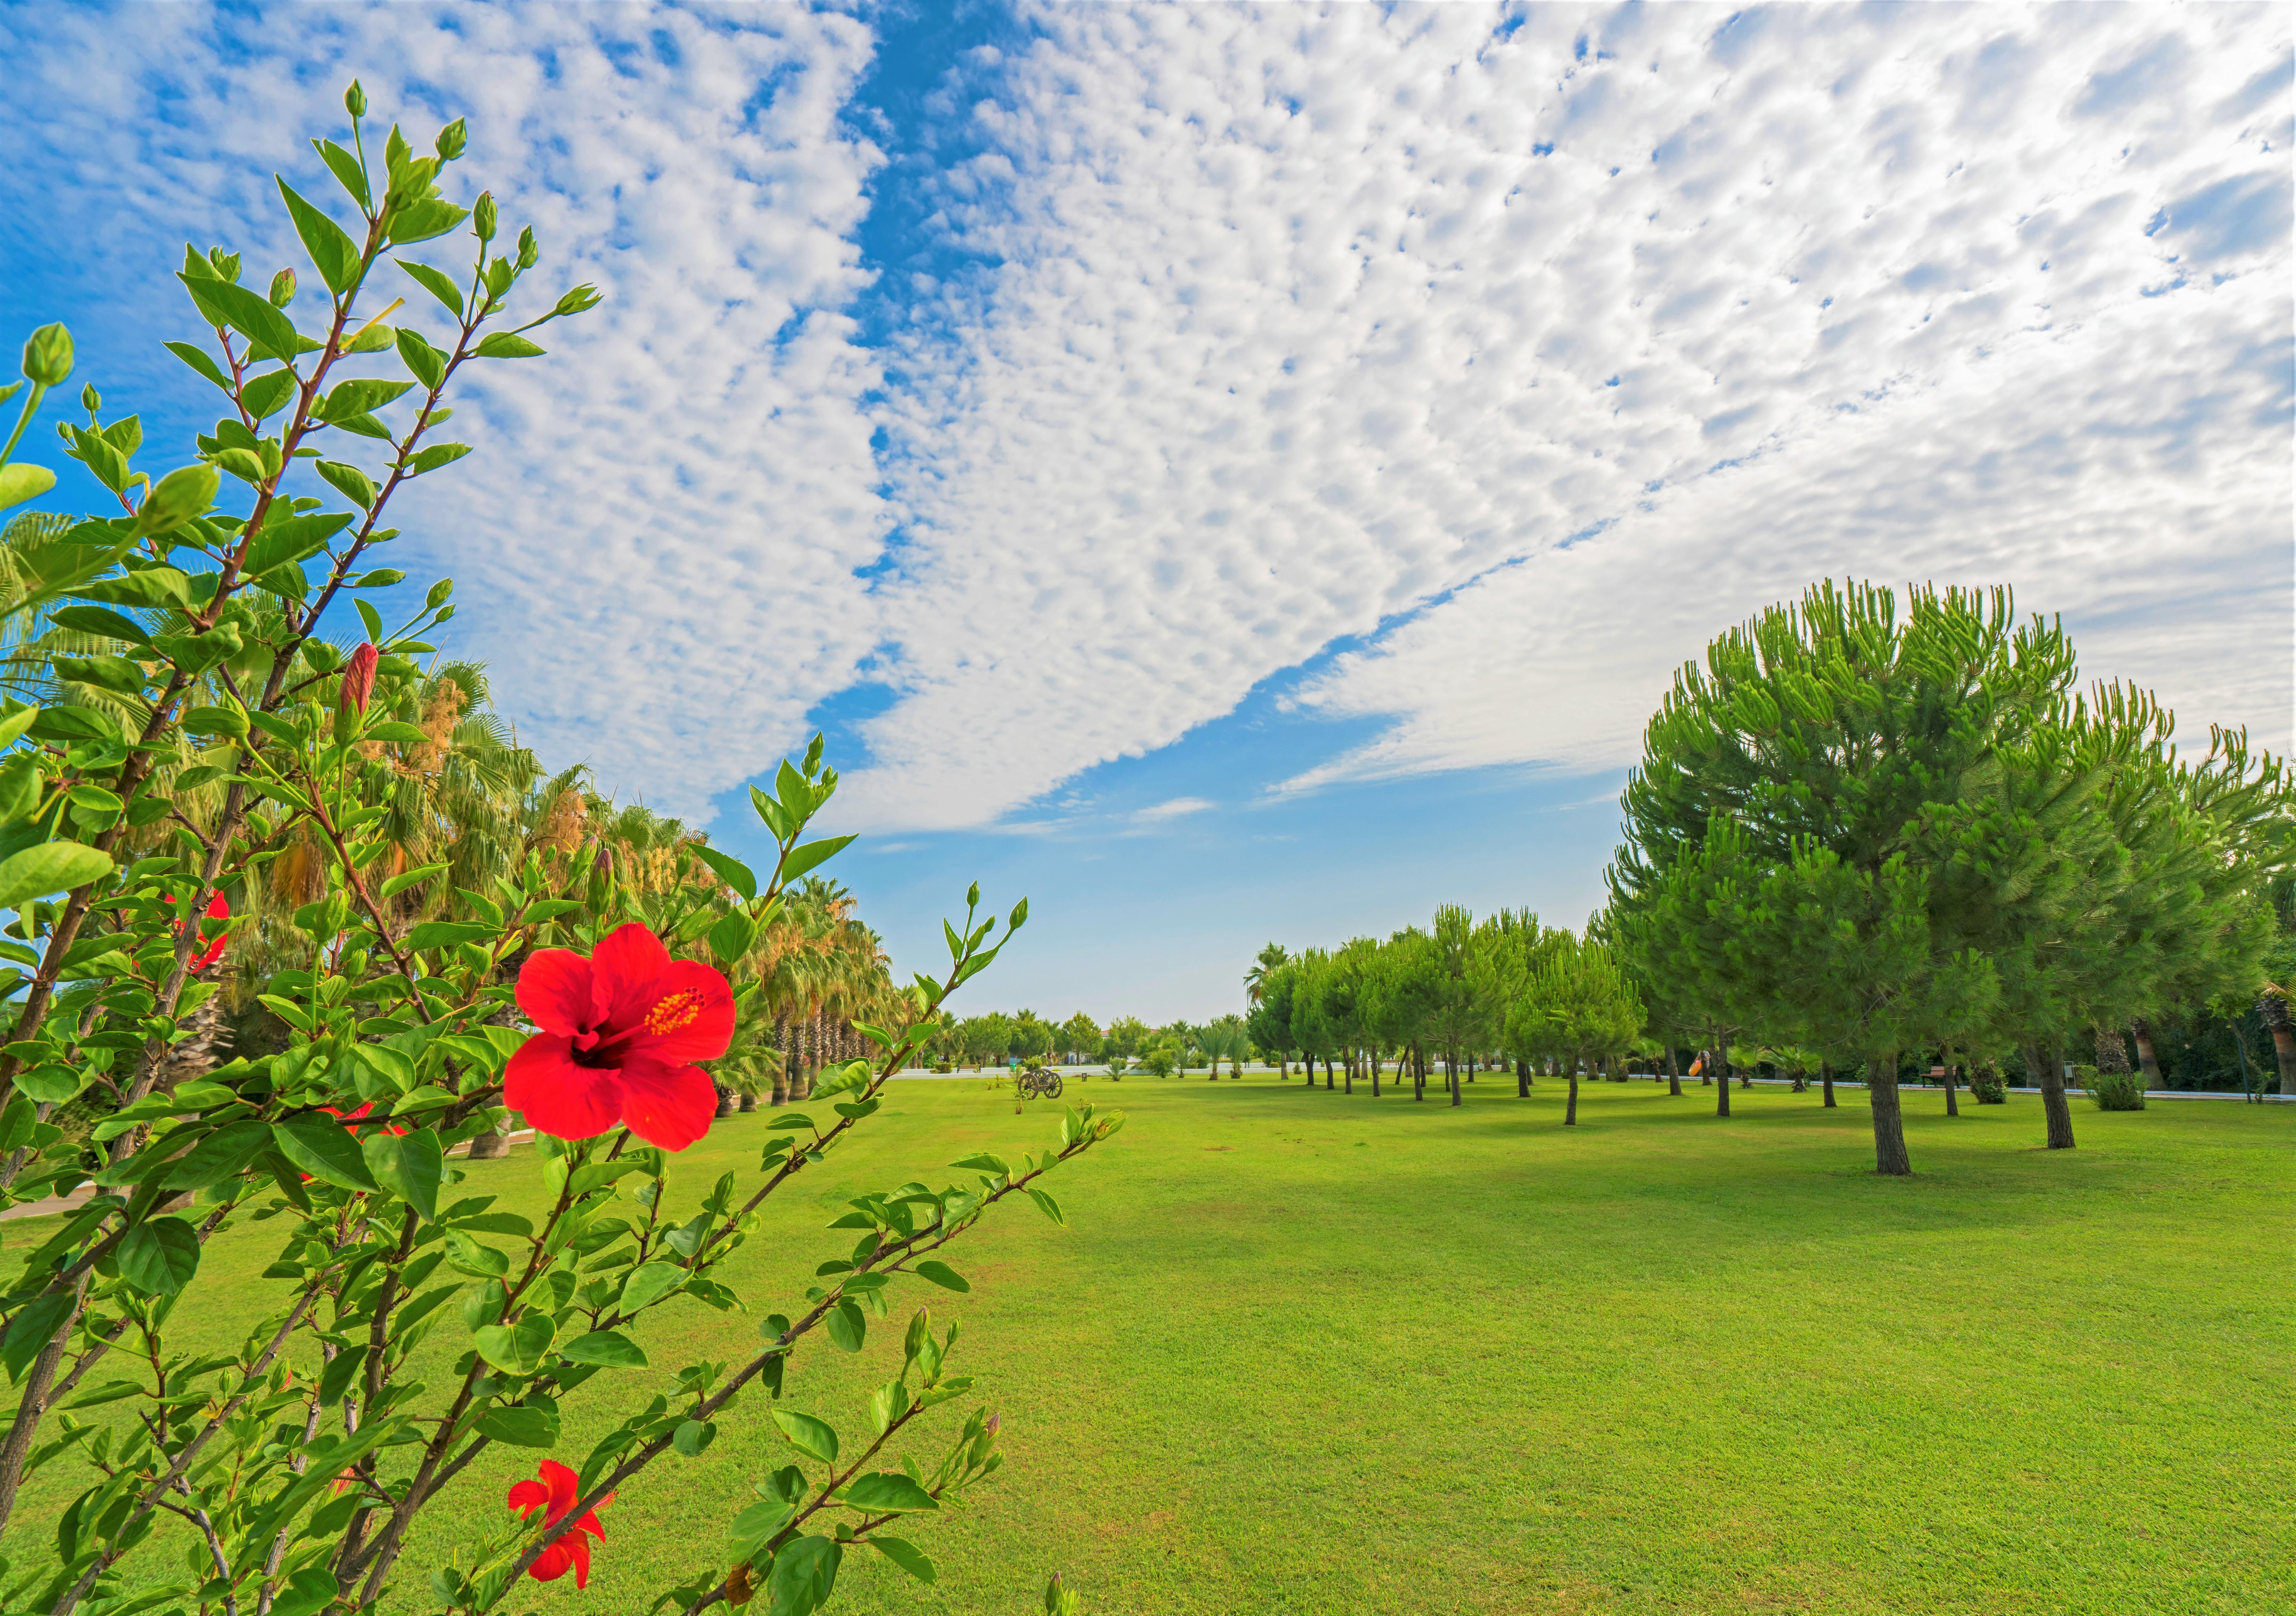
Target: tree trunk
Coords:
[(1375, 1074), (2049, 1074), (2273, 1009), (725, 1100), (749, 1102), (1673, 1075), (2111, 1052), (1328, 1084), (1522, 1079), (490, 1147), (2146, 1059), (1350, 1088), (1418, 1073), (1889, 1120), (1825, 1076), (1721, 1065), (1571, 1107), (1952, 1104)]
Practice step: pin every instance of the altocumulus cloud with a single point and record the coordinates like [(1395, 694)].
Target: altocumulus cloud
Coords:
[(1521, 349), (675, 587), (1619, 324)]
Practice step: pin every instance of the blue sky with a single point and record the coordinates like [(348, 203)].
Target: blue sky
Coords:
[(1234, 472)]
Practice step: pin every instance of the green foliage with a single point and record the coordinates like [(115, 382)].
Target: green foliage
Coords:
[(2113, 1090), (191, 734)]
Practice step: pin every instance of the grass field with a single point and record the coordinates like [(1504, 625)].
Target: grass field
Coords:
[(1315, 1352)]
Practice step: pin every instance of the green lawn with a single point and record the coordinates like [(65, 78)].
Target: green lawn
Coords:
[(1315, 1352)]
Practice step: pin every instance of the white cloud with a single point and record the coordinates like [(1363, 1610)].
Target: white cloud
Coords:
[(656, 540), (1174, 809), (1297, 322)]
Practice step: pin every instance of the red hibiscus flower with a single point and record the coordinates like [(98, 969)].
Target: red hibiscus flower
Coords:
[(217, 909), (620, 1032), (556, 1493)]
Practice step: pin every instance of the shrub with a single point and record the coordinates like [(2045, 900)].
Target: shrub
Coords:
[(1985, 1085), (214, 584), (2114, 1090)]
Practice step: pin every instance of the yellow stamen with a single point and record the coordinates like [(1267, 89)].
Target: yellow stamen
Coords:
[(673, 1010)]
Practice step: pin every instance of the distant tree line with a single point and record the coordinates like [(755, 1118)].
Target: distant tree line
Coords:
[(1861, 834)]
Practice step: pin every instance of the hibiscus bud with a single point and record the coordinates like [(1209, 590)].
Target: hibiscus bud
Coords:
[(226, 263), (358, 674), (283, 288), (90, 400), (48, 356), (439, 593), (578, 301), (354, 100), (529, 250), (451, 139), (601, 881), (483, 216)]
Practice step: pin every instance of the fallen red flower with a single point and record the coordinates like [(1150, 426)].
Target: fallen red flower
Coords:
[(620, 1032), (556, 1492)]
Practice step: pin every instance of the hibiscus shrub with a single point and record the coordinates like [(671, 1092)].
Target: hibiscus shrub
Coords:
[(199, 747)]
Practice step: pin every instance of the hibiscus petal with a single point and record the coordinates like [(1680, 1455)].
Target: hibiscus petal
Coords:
[(623, 968), (553, 989), (690, 1019), (577, 1548), (557, 1096), (564, 1488), (527, 1497), (667, 1106), (551, 1564)]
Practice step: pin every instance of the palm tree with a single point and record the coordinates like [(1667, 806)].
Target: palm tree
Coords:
[(1270, 959)]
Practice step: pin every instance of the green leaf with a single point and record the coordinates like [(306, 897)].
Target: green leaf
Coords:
[(410, 878), (420, 221), (349, 481), (35, 1324), (308, 1592), (18, 715), (51, 867), (265, 394), (814, 1439), (515, 1348), (330, 247), (906, 1555), (20, 482), (359, 395), (731, 937), (428, 364), (396, 732), (805, 857), (200, 361), (435, 456), (445, 934), (326, 1150), (409, 1166), (97, 619), (847, 1324), (941, 1274), (344, 167), (437, 283), (223, 1154), (159, 1258), (888, 1489), (604, 1348), (110, 1391), (1047, 1204), (506, 345), (983, 1161), (519, 1424), (693, 1437), (478, 1261), (248, 313), (285, 540), (649, 1284), (52, 1085), (803, 1574), (732, 871), (753, 1528)]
